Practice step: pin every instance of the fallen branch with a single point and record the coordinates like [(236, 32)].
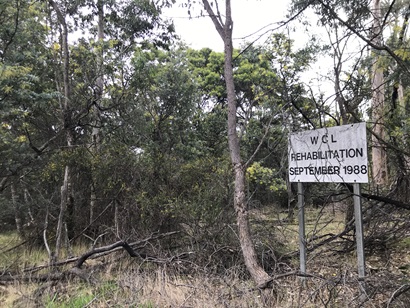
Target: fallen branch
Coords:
[(107, 248), (103, 252), (79, 261), (396, 203), (268, 282)]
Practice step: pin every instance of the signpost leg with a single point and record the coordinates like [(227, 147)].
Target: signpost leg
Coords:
[(359, 230), (301, 218)]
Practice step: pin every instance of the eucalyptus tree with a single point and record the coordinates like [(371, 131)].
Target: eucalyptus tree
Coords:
[(224, 26), (65, 102), (250, 95), (379, 153)]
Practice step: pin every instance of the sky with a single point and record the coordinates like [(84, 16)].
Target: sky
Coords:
[(249, 16)]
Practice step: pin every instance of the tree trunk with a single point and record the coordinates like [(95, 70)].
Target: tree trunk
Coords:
[(96, 132), (17, 212), (116, 219), (400, 104), (240, 203), (96, 115), (379, 156), (28, 204), (66, 196)]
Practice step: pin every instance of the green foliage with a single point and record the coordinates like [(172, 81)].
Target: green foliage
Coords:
[(265, 177), (161, 161), (207, 67)]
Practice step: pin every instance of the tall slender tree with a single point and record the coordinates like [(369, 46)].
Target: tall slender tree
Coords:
[(96, 114), (66, 196), (379, 155), (224, 26)]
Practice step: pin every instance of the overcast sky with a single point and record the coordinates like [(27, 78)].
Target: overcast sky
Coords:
[(249, 17)]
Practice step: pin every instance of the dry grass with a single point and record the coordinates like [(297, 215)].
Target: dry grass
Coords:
[(161, 288), (125, 282)]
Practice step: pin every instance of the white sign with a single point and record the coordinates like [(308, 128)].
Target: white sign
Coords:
[(334, 154)]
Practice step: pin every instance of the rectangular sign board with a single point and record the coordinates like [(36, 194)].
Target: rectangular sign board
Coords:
[(333, 154)]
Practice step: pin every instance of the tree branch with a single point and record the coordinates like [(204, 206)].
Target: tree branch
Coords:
[(217, 22), (107, 248), (381, 47), (13, 34)]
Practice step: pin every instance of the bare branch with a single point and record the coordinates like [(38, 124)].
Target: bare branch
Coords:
[(134, 246), (107, 248), (369, 42), (215, 19)]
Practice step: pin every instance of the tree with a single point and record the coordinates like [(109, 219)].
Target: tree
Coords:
[(99, 92), (379, 154), (67, 196), (224, 28), (25, 94)]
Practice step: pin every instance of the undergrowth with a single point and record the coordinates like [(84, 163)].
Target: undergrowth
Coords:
[(121, 281)]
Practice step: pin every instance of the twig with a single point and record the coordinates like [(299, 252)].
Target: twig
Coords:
[(403, 289), (267, 283)]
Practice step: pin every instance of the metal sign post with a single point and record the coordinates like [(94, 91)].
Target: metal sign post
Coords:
[(301, 219), (358, 218)]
